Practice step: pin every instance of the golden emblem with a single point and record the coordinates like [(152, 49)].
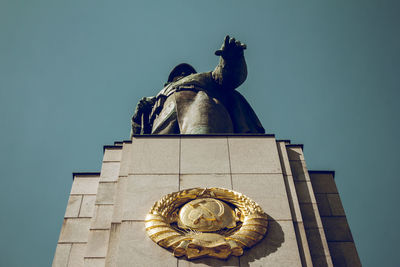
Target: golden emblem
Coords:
[(213, 222)]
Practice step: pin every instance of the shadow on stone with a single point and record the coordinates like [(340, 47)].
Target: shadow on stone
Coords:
[(231, 261), (294, 155), (270, 244)]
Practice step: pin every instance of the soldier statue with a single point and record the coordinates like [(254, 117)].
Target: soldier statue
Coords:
[(201, 103)]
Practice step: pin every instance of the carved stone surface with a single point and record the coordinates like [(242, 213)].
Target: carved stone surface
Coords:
[(201, 103)]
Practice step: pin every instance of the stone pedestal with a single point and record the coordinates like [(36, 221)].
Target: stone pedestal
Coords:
[(104, 219)]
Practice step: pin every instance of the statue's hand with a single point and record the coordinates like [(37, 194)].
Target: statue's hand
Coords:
[(231, 48), (145, 105)]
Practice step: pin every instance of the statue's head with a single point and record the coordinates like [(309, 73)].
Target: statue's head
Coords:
[(179, 71)]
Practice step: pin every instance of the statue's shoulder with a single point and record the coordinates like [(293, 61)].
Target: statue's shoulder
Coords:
[(196, 78), (201, 81), (196, 81), (206, 76)]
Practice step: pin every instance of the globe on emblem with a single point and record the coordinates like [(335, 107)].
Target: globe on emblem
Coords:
[(206, 215)]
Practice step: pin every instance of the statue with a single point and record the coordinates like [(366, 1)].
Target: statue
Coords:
[(201, 103)]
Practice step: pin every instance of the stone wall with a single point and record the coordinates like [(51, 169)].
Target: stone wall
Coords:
[(104, 220)]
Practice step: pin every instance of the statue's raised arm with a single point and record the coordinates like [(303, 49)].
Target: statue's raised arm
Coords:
[(201, 103), (231, 70)]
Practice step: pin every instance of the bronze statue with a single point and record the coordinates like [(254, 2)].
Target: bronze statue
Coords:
[(201, 103)]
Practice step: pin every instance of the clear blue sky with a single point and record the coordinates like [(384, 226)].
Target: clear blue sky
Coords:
[(322, 73)]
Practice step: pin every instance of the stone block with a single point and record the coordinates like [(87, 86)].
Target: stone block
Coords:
[(336, 205), (205, 262), (95, 262), (278, 248), (204, 155), (292, 197), (305, 193), (322, 261), (112, 154), (344, 254), (102, 217), (205, 181), (323, 183), (254, 155), (289, 183), (106, 193), (137, 249), (109, 171), (295, 153), (87, 206), (112, 253), (75, 230), (299, 171), (337, 229), (85, 185), (302, 243), (317, 242), (119, 199), (310, 214), (323, 204), (285, 164), (155, 156), (77, 255), (144, 190), (268, 190), (61, 256), (98, 243), (74, 204), (126, 159)]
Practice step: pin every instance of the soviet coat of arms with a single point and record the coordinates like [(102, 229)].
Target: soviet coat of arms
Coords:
[(213, 222)]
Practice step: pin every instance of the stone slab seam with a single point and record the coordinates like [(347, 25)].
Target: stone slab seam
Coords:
[(179, 164), (230, 164), (80, 205)]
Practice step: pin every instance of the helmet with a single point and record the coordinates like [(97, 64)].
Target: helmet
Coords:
[(179, 69)]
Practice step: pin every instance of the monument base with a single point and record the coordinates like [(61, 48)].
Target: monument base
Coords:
[(104, 220)]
